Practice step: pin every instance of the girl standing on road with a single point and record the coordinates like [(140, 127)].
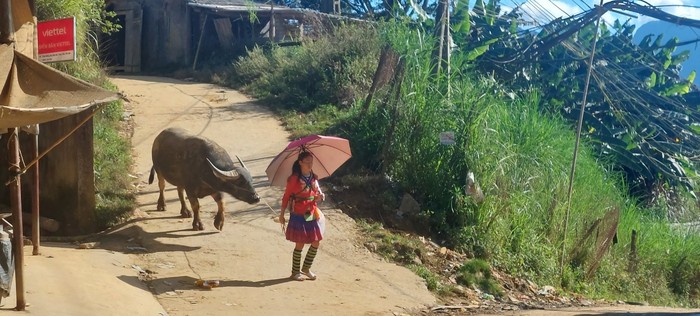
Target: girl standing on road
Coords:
[(303, 192)]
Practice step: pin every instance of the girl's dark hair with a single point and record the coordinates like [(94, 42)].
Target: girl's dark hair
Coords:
[(296, 168)]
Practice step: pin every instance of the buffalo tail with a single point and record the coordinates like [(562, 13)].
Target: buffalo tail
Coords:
[(153, 173)]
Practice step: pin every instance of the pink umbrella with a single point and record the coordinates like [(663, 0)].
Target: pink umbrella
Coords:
[(329, 154)]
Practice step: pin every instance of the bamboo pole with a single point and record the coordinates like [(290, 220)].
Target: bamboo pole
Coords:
[(272, 23), (16, 201), (35, 197), (438, 56), (578, 140)]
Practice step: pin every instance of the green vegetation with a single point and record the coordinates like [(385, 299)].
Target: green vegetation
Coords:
[(393, 246), (404, 250), (331, 70), (477, 273), (112, 150), (431, 280), (520, 152)]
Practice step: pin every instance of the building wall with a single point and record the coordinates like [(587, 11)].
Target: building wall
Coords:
[(66, 175), (165, 31), (67, 178)]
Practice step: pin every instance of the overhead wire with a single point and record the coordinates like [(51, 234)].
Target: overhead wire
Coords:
[(588, 6), (626, 89), (557, 6), (622, 87), (545, 12), (626, 72), (676, 6)]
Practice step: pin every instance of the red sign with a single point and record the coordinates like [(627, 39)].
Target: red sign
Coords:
[(56, 40)]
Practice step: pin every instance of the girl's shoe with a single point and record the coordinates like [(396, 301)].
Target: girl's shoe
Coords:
[(297, 277), (309, 275)]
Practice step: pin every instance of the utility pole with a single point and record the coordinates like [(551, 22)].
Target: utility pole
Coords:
[(578, 141)]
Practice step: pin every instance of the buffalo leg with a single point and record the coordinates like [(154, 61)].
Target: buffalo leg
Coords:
[(184, 212), (219, 219), (194, 202), (161, 187)]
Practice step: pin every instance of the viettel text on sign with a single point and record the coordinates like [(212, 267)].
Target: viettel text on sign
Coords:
[(56, 40)]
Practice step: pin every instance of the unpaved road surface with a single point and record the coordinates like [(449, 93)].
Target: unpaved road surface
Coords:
[(250, 257)]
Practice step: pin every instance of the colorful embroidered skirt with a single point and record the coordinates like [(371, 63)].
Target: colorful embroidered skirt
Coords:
[(301, 230)]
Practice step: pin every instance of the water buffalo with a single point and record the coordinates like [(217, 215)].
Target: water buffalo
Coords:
[(200, 167)]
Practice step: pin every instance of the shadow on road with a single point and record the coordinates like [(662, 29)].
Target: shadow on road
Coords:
[(175, 283), (640, 314), (130, 238), (262, 283)]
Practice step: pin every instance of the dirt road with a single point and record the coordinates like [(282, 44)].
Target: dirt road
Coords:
[(250, 256)]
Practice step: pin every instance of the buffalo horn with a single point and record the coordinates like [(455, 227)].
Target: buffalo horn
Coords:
[(241, 161), (226, 174)]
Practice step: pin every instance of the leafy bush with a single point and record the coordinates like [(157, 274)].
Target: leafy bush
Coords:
[(332, 69)]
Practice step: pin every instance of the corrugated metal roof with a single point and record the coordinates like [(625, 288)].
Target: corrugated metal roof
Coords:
[(248, 6), (236, 5), (222, 2)]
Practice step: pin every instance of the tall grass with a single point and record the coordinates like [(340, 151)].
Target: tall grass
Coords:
[(328, 70), (524, 159), (521, 158)]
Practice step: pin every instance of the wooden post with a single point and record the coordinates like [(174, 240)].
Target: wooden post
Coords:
[(632, 267), (6, 27), (199, 44), (16, 201), (386, 70), (35, 196), (272, 23), (572, 173), (301, 31)]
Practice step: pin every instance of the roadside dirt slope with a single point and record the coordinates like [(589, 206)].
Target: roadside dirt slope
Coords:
[(250, 257)]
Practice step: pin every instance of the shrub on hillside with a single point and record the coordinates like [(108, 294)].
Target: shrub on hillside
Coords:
[(334, 68)]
